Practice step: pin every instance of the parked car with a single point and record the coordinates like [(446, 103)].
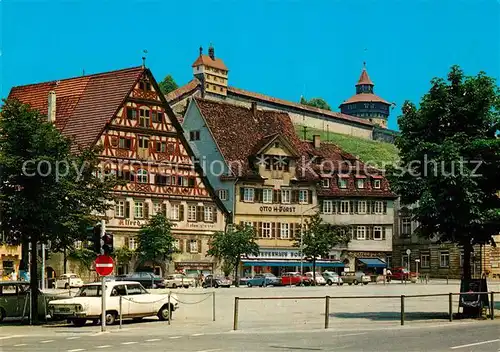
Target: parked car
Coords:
[(295, 278), (243, 280), (179, 280), (263, 280), (332, 278), (320, 280), (137, 303), (216, 281), (146, 279), (401, 273), (68, 281), (355, 278), (14, 297)]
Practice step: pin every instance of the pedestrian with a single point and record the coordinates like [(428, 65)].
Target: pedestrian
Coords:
[(389, 275)]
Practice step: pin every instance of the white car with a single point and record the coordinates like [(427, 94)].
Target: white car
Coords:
[(179, 280), (68, 281), (332, 278), (320, 280), (137, 303)]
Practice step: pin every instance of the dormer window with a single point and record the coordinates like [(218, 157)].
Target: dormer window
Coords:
[(360, 183), (143, 85), (376, 184), (325, 183), (343, 183)]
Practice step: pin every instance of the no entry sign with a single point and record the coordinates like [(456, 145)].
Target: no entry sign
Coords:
[(104, 265)]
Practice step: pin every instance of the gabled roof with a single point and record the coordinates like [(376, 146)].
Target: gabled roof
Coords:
[(364, 78), (265, 142), (208, 61), (83, 104)]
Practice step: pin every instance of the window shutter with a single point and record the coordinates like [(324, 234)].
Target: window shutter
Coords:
[(164, 209), (126, 243), (385, 207), (146, 210), (181, 246), (259, 229), (214, 212), (383, 232), (273, 230), (370, 232), (242, 194), (351, 207), (188, 250), (181, 212), (258, 195), (199, 214), (309, 197), (295, 196), (355, 208), (127, 209), (241, 223), (199, 247)]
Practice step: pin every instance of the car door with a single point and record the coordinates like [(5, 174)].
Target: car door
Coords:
[(10, 301), (141, 302), (114, 297)]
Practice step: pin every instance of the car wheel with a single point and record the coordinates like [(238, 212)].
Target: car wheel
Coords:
[(186, 286), (216, 285), (355, 282), (350, 283), (110, 318), (95, 321), (249, 284), (174, 286), (365, 283), (79, 322), (66, 286), (163, 313), (204, 285), (329, 282)]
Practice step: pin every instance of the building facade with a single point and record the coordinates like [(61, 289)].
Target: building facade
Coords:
[(143, 145), (10, 258)]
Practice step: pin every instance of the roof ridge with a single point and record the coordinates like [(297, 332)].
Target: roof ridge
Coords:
[(76, 77), (223, 103)]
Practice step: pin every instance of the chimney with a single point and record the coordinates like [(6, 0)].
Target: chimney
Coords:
[(254, 108), (316, 141), (51, 108), (211, 52)]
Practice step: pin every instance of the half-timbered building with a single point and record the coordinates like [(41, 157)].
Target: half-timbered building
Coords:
[(143, 144)]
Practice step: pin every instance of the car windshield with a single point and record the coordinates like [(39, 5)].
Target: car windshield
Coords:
[(89, 291)]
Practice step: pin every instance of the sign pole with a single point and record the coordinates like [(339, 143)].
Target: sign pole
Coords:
[(103, 302)]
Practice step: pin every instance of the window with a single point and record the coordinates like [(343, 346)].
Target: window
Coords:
[(144, 120), (444, 259), (78, 244), (157, 207), (285, 231), (404, 261), (248, 223), (360, 183), (191, 212), (157, 116), (388, 261), (425, 260), (248, 194), (139, 210), (125, 143), (209, 214), (344, 207), (223, 194), (161, 147), (267, 195), (378, 207), (405, 227), (377, 233), (193, 246), (325, 183), (362, 207), (327, 207), (266, 229), (361, 232), (162, 179), (175, 212), (303, 195), (177, 244), (142, 176), (143, 142), (376, 184), (131, 113), (285, 196), (132, 243), (120, 208), (342, 183), (194, 135)]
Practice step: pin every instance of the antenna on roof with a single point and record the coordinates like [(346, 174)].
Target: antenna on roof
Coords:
[(144, 58), (83, 72)]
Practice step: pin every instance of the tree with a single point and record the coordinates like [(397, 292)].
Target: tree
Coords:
[(230, 246), (155, 240), (83, 256), (319, 103), (48, 193), (123, 255), (319, 238), (168, 85), (450, 161)]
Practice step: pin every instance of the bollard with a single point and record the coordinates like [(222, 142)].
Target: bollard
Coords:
[(327, 311), (169, 312), (447, 279), (450, 306), (492, 303), (213, 306), (402, 309), (235, 318), (121, 320)]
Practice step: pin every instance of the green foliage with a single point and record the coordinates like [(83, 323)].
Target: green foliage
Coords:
[(123, 255), (232, 245), (227, 267), (168, 85), (319, 103), (442, 142), (83, 256), (376, 153), (155, 240)]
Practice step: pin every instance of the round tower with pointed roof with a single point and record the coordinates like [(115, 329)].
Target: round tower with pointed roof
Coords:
[(365, 103)]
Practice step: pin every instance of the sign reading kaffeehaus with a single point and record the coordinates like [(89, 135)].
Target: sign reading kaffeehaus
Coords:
[(277, 209)]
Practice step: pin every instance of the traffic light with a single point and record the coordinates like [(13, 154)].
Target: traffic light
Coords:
[(107, 243), (94, 238)]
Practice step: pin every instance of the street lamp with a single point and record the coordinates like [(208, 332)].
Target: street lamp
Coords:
[(302, 235)]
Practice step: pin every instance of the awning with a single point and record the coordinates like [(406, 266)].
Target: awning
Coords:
[(373, 262), (319, 264)]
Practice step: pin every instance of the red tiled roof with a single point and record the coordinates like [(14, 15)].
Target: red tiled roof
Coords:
[(181, 91), (365, 98), (83, 104), (364, 78), (207, 61)]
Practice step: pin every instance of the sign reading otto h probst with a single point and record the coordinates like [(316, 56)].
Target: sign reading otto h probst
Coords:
[(277, 254), (277, 209)]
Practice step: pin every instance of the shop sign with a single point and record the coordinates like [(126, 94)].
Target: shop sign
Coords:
[(277, 209), (277, 254), (194, 225), (131, 223), (196, 266)]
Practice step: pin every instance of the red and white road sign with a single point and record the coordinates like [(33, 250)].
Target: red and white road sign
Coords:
[(104, 265)]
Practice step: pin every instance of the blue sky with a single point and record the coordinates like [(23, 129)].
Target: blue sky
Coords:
[(280, 48)]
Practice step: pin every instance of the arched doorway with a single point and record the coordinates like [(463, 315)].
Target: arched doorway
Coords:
[(51, 276)]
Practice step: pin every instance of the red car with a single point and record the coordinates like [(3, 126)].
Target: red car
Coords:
[(294, 278), (401, 273)]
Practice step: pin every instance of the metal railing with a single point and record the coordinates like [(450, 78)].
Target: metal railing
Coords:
[(402, 298)]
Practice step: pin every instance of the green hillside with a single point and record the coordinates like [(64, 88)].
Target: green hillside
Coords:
[(376, 152)]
